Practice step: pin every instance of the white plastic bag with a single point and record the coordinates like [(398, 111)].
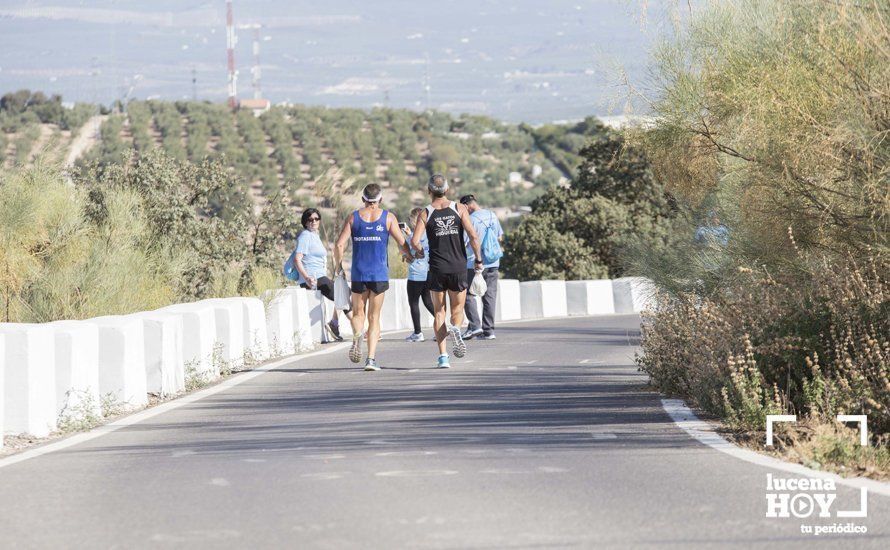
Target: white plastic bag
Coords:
[(478, 287), (342, 293)]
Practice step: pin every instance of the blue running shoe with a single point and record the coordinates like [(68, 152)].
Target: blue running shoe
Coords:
[(443, 362)]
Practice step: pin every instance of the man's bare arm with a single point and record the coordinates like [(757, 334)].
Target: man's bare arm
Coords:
[(340, 247), (475, 243)]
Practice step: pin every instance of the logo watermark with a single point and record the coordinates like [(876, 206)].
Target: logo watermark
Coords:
[(814, 498)]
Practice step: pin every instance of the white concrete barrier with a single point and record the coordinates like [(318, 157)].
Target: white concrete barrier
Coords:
[(303, 336), (164, 356), (633, 294), (30, 379), (229, 317), (543, 299), (198, 337), (256, 340), (589, 297), (279, 322), (2, 370), (122, 373), (395, 314), (509, 302), (77, 369)]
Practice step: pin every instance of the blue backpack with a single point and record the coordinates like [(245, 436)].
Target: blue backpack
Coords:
[(491, 248), (289, 270)]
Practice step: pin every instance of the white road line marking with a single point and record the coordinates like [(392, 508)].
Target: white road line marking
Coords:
[(416, 473), (179, 454), (551, 470), (704, 433), (407, 453), (220, 482), (603, 435), (503, 471), (583, 361), (323, 475)]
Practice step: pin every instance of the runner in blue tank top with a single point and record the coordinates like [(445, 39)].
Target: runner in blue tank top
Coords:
[(369, 228)]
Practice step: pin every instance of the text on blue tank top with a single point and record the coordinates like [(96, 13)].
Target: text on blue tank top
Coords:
[(369, 241)]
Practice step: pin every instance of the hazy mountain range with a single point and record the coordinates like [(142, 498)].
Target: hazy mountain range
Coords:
[(512, 59)]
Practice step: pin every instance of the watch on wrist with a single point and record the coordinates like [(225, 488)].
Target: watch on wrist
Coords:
[(478, 262)]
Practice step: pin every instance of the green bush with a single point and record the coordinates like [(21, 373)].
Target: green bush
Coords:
[(612, 204)]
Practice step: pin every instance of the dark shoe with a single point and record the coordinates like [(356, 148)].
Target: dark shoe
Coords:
[(335, 331)]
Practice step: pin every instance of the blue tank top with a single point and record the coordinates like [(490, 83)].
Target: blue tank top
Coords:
[(369, 241)]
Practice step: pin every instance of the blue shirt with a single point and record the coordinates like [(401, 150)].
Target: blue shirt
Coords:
[(712, 235), (370, 261), (420, 268), (314, 255), (482, 221)]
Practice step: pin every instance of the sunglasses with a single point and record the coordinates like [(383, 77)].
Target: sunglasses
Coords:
[(314, 219)]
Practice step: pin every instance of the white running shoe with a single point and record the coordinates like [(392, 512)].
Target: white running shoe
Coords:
[(459, 348), (355, 351), (371, 365), (469, 334), (416, 337), (488, 337)]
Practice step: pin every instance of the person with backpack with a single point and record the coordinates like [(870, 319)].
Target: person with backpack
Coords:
[(491, 234), (445, 223)]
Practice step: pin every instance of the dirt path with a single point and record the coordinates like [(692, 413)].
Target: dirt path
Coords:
[(86, 138)]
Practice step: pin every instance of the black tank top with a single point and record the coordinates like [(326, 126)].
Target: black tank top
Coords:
[(445, 233)]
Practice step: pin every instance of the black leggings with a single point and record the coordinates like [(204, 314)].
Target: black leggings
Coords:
[(416, 291), (326, 286)]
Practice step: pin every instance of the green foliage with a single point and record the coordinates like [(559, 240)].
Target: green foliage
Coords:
[(214, 238), (55, 263), (538, 249), (290, 148), (581, 232), (773, 113)]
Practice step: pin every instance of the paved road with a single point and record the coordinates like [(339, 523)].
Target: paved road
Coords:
[(543, 438)]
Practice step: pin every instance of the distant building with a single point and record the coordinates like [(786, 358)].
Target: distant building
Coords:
[(258, 106)]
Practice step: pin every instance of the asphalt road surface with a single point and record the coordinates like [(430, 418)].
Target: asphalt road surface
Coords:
[(543, 438)]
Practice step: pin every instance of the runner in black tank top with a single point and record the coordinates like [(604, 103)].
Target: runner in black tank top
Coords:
[(445, 223), (445, 235)]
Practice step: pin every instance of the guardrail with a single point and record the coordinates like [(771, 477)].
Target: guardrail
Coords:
[(59, 371)]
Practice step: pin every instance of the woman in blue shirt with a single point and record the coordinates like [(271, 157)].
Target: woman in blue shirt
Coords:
[(310, 260), (417, 287), (369, 229)]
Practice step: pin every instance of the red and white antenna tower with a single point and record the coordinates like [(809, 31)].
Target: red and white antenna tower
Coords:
[(231, 39), (255, 69), (257, 93)]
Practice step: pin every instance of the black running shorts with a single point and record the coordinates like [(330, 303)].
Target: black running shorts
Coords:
[(377, 287), (440, 282)]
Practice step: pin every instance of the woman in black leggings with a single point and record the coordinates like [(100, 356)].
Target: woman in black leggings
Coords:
[(311, 263), (417, 289)]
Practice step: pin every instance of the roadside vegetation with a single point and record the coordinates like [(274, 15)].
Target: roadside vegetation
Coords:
[(774, 116), (131, 237)]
